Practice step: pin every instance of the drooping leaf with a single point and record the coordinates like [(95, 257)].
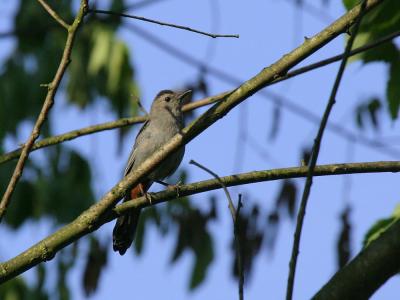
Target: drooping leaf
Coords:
[(368, 113), (343, 244), (251, 237), (287, 197), (96, 260), (393, 89)]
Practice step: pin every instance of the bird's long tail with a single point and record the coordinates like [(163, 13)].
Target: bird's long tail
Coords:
[(125, 227)]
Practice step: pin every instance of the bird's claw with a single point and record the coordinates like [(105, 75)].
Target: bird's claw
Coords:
[(175, 187)]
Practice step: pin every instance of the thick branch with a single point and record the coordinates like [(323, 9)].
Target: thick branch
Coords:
[(86, 222), (193, 105), (369, 270), (91, 218), (48, 103)]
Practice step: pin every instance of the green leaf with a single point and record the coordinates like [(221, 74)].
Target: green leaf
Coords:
[(393, 89), (100, 53), (380, 226), (377, 229), (204, 257), (116, 62)]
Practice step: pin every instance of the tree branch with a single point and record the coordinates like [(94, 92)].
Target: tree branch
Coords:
[(88, 222), (213, 35), (48, 103), (91, 218), (369, 270), (314, 157), (191, 106), (101, 127), (54, 14)]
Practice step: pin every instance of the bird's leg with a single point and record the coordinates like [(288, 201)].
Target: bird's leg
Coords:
[(145, 194)]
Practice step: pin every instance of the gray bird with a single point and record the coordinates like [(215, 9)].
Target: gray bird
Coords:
[(165, 121)]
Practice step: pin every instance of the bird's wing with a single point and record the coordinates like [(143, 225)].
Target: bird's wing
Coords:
[(132, 155)]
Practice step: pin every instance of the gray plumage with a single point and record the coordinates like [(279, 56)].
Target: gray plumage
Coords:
[(165, 121)]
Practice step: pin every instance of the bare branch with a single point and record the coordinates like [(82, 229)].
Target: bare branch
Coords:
[(213, 35), (336, 58), (54, 14), (48, 103), (228, 196), (89, 221), (314, 157), (209, 100)]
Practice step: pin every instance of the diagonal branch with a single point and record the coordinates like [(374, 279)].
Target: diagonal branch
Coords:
[(54, 14), (48, 103), (314, 158), (213, 35), (90, 219), (204, 102), (86, 223), (369, 270)]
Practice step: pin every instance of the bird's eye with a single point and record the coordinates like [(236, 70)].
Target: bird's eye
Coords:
[(167, 98)]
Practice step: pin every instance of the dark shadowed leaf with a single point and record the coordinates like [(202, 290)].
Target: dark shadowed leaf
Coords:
[(287, 197), (393, 88), (271, 231), (343, 243), (368, 112), (96, 260), (251, 237), (276, 120)]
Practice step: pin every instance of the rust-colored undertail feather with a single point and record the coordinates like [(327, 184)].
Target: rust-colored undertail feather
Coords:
[(125, 227)]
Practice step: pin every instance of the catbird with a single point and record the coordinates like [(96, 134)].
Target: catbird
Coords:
[(165, 120)]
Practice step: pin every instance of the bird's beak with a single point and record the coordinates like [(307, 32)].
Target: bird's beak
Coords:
[(184, 94)]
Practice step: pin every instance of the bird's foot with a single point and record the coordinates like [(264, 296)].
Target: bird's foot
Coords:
[(175, 187)]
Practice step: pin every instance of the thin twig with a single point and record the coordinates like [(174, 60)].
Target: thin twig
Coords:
[(314, 157), (48, 103), (53, 13), (239, 248), (342, 131), (228, 196), (213, 35), (338, 57), (139, 104)]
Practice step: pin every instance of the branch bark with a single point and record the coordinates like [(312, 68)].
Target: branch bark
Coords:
[(91, 218), (48, 102), (88, 222), (369, 270)]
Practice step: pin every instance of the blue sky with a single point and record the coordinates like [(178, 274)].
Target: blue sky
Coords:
[(268, 29)]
